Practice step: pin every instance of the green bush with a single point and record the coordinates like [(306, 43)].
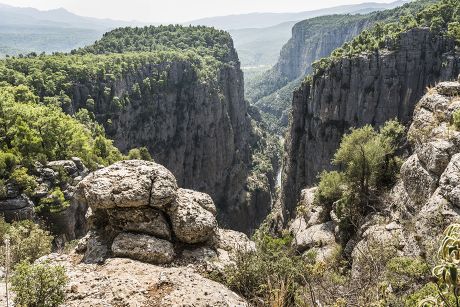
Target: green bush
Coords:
[(38, 285), (368, 160), (54, 202), (23, 180), (260, 275), (402, 272), (330, 187), (141, 153), (27, 241), (456, 119)]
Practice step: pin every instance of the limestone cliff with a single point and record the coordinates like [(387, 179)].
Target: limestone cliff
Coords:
[(312, 40), (192, 118), (368, 89), (407, 222)]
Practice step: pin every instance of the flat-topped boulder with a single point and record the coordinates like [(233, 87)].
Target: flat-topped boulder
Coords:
[(128, 184)]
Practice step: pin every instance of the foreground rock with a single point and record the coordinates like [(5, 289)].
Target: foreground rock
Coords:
[(125, 282), (138, 212)]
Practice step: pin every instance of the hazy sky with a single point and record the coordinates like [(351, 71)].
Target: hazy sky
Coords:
[(177, 10)]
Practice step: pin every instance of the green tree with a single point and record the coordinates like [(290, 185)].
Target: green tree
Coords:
[(38, 285)]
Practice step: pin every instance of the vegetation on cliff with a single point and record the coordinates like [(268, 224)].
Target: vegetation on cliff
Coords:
[(442, 17), (204, 41)]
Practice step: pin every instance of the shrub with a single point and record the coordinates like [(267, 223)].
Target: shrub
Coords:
[(272, 273), (7, 163), (38, 285), (330, 187), (54, 202), (456, 119), (23, 180), (27, 241), (403, 271), (141, 153), (369, 162)]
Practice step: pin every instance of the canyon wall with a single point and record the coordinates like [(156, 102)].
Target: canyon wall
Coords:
[(368, 89)]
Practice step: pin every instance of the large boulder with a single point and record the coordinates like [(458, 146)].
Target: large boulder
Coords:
[(126, 282), (418, 182), (143, 247), (191, 220), (315, 236), (128, 184), (17, 208)]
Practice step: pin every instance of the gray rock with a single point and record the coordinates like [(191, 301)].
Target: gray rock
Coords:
[(234, 241), (143, 247), (68, 165), (435, 155), (418, 182), (314, 236), (140, 220), (128, 184), (18, 208), (96, 249), (450, 181), (200, 254), (191, 223), (448, 88)]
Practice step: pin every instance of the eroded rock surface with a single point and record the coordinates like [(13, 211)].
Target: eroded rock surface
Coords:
[(137, 211), (125, 282)]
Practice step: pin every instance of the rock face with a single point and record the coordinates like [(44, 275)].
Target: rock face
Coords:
[(137, 211), (410, 219), (198, 129), (311, 40), (368, 89), (125, 282), (192, 216)]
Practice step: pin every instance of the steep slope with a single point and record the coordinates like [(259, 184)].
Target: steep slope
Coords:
[(398, 239), (178, 91), (367, 88), (311, 40)]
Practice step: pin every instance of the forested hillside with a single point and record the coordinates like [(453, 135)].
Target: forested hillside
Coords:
[(178, 91)]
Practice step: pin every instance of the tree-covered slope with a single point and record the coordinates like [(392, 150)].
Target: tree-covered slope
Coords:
[(178, 91)]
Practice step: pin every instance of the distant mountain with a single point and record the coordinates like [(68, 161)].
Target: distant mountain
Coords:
[(10, 15), (24, 30), (264, 20)]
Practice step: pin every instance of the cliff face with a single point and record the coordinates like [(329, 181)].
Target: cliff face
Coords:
[(198, 128), (311, 40), (310, 44), (369, 89)]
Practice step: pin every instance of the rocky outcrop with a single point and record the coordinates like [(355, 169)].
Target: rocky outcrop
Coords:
[(368, 89), (408, 220), (125, 282), (138, 212)]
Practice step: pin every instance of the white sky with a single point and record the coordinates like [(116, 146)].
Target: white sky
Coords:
[(177, 10)]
